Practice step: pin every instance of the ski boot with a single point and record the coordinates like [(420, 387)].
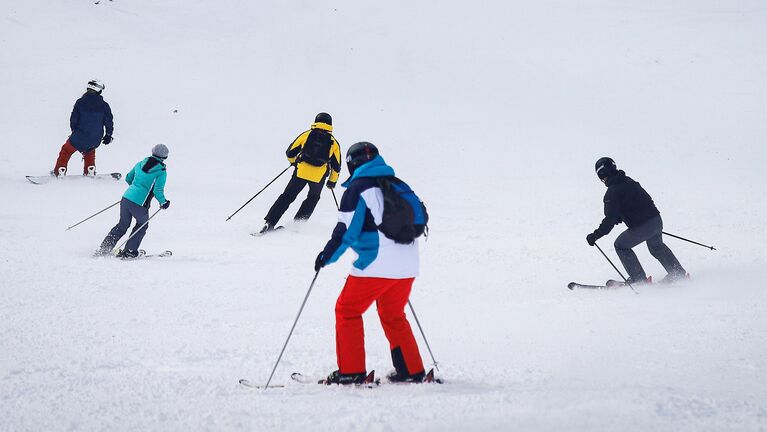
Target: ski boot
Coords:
[(266, 228), (337, 377), (674, 277), (396, 377), (90, 171), (62, 171), (646, 280), (612, 283), (128, 254), (428, 377)]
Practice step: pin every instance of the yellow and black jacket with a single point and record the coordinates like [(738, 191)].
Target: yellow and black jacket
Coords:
[(309, 172)]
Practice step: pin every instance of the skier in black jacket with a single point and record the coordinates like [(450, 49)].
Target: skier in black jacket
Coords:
[(626, 201)]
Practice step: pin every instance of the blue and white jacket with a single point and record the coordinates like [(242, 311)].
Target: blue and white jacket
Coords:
[(361, 211)]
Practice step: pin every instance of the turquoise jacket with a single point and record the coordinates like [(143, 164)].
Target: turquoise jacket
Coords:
[(146, 179)]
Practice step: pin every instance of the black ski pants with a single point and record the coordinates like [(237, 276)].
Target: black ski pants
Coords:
[(128, 211), (650, 232), (294, 187)]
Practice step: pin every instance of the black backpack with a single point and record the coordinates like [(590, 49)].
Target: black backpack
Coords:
[(404, 214), (316, 149)]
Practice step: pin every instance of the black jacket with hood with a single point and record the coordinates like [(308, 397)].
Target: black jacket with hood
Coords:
[(625, 201)]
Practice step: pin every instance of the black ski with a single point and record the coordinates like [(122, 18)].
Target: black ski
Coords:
[(369, 382), (428, 378)]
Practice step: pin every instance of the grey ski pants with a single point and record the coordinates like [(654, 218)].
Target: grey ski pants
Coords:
[(128, 211), (650, 232)]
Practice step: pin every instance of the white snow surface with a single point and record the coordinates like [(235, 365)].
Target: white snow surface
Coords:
[(493, 111)]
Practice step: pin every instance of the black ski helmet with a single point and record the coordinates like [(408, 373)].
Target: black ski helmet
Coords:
[(360, 154), (605, 167), (323, 117)]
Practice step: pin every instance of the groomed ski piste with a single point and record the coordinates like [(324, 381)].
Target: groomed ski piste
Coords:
[(493, 111)]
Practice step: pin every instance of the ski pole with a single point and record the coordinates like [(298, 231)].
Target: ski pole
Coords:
[(92, 216), (334, 199), (257, 193), (423, 335), (291, 330), (688, 240), (136, 231), (616, 269)]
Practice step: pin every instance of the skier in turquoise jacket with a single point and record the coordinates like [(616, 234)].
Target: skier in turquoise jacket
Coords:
[(146, 180)]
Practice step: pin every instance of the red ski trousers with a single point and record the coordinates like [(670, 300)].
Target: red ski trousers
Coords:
[(67, 150), (391, 296)]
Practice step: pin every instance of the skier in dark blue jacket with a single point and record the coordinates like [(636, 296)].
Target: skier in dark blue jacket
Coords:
[(91, 118)]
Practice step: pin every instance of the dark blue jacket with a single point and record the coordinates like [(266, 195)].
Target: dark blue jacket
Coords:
[(90, 116)]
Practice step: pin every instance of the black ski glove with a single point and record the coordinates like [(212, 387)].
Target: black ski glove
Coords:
[(591, 239), (107, 139), (165, 205), (319, 262), (330, 184)]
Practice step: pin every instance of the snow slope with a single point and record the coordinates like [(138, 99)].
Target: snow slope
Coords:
[(494, 112)]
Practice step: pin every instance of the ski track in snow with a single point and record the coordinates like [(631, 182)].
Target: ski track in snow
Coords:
[(493, 112)]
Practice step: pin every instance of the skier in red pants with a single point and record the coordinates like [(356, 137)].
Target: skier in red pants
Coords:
[(383, 273), (390, 296), (92, 125)]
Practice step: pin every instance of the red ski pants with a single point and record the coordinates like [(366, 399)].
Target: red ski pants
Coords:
[(67, 150), (391, 296)]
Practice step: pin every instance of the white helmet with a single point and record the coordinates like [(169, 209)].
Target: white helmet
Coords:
[(95, 85)]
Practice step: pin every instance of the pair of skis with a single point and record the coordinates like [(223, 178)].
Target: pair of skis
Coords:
[(610, 284), (617, 284), (370, 381)]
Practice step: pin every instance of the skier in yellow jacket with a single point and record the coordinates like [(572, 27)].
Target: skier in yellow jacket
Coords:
[(316, 156)]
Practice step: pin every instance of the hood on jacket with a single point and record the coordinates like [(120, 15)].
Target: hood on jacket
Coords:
[(323, 126), (615, 178), (377, 167), (151, 163)]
